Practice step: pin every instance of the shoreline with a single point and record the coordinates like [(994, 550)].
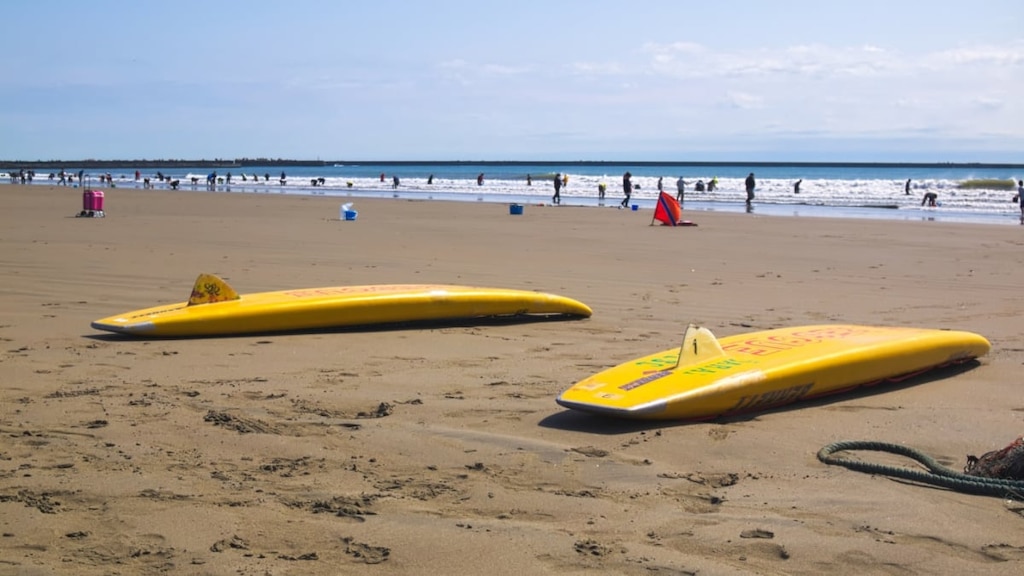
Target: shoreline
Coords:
[(795, 210), (978, 195), (692, 206)]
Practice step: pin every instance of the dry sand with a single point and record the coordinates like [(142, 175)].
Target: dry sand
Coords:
[(440, 450)]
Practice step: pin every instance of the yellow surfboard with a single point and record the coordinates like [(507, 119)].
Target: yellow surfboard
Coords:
[(216, 309), (706, 377)]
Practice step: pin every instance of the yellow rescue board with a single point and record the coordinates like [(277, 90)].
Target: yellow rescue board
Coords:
[(707, 378), (216, 309)]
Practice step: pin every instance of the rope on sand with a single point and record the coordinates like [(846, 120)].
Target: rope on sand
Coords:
[(937, 474)]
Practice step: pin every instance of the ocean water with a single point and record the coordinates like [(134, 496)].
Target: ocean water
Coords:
[(842, 191)]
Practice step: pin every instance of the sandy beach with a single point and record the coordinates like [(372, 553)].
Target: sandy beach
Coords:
[(440, 449)]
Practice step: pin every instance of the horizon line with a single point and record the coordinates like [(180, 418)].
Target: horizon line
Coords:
[(261, 161)]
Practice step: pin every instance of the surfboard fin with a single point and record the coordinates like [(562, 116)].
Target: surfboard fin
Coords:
[(209, 289), (699, 346)]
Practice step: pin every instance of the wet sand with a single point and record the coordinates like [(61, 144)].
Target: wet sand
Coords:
[(440, 449)]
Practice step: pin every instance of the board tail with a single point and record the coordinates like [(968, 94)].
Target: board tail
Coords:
[(699, 345), (209, 289)]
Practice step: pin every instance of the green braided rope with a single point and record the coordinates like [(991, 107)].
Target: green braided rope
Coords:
[(937, 475)]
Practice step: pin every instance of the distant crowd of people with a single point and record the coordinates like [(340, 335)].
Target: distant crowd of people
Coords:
[(62, 178), (560, 182), (22, 176)]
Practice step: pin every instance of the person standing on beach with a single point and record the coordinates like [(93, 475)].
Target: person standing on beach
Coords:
[(661, 188), (796, 187), (906, 188), (601, 189), (627, 189), (680, 189), (751, 184), (1020, 198), (557, 198)]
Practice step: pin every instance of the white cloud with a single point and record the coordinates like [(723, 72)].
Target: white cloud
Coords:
[(743, 100), (911, 103), (504, 70), (1008, 55), (467, 72), (683, 60), (691, 60), (988, 103), (456, 64), (598, 68)]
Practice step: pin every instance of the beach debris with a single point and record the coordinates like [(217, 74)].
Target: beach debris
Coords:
[(306, 556), (40, 501), (239, 424), (1006, 463), (350, 507), (234, 542), (382, 410), (590, 451), (591, 548), (364, 552), (713, 480)]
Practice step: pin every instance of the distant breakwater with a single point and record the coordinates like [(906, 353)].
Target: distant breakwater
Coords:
[(94, 164), (269, 162)]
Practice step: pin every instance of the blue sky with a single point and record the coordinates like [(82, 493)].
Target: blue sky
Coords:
[(659, 80)]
